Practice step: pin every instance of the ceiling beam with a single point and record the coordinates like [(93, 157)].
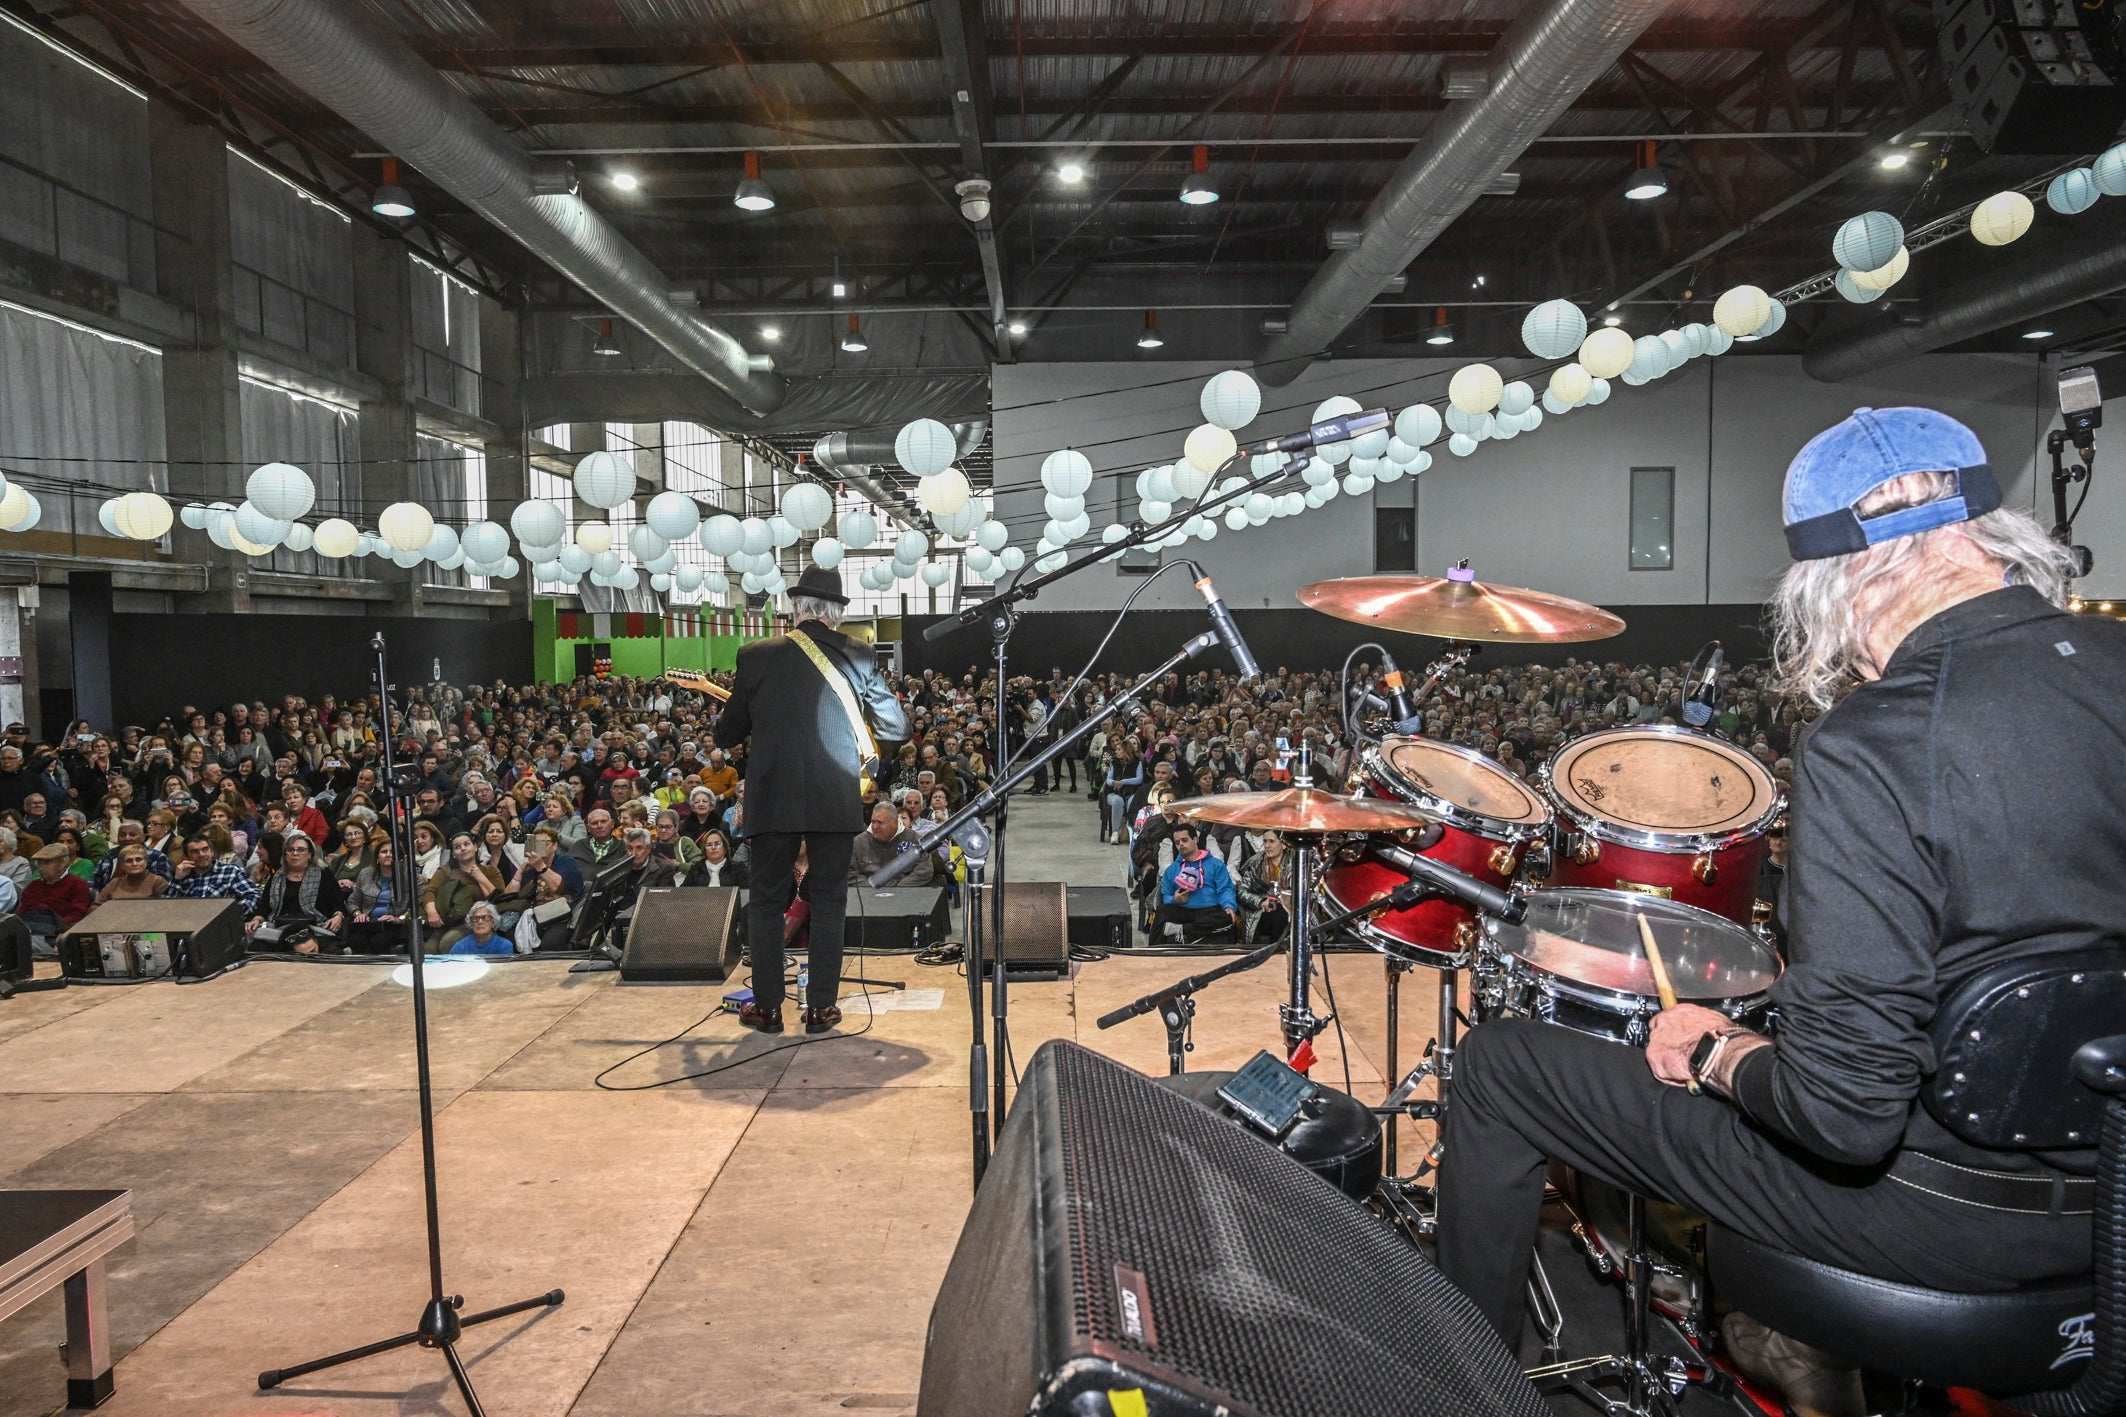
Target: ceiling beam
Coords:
[(966, 79)]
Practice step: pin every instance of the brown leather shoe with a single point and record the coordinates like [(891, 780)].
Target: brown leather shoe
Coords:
[(766, 1020), (821, 1020)]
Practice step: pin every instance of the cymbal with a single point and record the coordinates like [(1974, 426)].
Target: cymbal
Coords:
[(1457, 606), (1301, 811)]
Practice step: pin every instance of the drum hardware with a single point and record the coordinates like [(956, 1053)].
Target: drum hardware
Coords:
[(1502, 860), (1176, 1003), (1586, 851), (1703, 871)]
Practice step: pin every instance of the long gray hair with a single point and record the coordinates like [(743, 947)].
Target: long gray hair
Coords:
[(805, 607), (1822, 609)]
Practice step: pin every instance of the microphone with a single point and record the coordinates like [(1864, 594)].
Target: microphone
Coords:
[(1405, 714), (1702, 686), (1222, 622), (2082, 409), (1459, 884), (1340, 429)]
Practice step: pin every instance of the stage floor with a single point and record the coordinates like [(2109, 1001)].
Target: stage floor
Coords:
[(765, 1241)]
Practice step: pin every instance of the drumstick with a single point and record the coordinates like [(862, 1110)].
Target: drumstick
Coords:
[(1653, 958)]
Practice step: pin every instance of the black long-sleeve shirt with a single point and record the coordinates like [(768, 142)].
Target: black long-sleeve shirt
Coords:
[(1967, 808)]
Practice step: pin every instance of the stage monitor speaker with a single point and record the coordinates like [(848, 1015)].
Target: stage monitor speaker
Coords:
[(896, 918), (16, 960), (1100, 917), (149, 939), (682, 933), (1036, 942), (1128, 1243)]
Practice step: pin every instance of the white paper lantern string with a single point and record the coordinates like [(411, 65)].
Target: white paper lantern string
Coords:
[(1418, 425), (142, 516), (925, 447), (673, 515), (2002, 218), (485, 541), (594, 537), (280, 490), (1867, 241), (1067, 472), (1230, 400), (1554, 329), (604, 479)]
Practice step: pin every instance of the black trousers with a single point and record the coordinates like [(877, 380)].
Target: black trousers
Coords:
[(774, 881), (1524, 1091), (1194, 920)]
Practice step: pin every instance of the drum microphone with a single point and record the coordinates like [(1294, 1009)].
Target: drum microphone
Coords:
[(1400, 709), (1340, 429), (1222, 622), (1467, 889), (1702, 686)]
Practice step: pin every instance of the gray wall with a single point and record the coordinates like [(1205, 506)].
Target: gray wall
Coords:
[(1547, 509), (2102, 524)]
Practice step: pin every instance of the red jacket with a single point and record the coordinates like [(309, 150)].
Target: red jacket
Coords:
[(69, 899)]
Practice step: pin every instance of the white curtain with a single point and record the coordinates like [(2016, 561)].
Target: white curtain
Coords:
[(451, 481), (446, 337), (74, 181), (323, 440), (80, 418), (294, 259)]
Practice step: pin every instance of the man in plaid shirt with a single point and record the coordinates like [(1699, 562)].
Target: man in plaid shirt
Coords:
[(200, 876)]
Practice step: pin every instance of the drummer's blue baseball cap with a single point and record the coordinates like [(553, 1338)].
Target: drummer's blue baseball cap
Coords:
[(1844, 463)]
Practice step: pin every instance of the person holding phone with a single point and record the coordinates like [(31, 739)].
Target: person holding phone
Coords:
[(1196, 892)]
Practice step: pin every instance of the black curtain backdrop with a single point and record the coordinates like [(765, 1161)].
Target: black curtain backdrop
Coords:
[(1305, 639), (162, 662)]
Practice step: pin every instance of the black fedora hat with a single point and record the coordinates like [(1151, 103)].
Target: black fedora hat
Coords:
[(819, 583)]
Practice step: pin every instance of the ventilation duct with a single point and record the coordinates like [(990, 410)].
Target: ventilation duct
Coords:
[(869, 447), (349, 61), (1545, 61), (2086, 269)]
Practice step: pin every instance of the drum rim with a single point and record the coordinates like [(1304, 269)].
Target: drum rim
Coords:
[(1611, 833), (1374, 763), (1394, 946), (1584, 992), (1641, 1005)]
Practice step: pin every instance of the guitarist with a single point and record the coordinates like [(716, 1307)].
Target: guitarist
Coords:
[(803, 698)]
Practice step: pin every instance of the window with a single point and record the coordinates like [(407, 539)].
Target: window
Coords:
[(1653, 518)]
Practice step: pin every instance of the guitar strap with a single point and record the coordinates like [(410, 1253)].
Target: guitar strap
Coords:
[(866, 745)]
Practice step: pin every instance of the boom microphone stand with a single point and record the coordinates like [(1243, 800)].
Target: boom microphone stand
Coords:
[(440, 1323)]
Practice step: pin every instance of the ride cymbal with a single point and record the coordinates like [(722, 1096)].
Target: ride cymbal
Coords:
[(1457, 606), (1301, 811)]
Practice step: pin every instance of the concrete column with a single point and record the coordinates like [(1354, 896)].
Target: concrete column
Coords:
[(18, 659), (88, 622), (383, 349), (202, 419), (502, 403)]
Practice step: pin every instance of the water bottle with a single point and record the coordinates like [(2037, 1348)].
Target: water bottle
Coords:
[(804, 983)]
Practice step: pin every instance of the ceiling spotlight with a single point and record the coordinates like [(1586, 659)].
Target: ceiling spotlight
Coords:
[(1071, 171), (1442, 329), (771, 333), (605, 346), (1647, 182), (1016, 327), (390, 199), (1612, 321), (626, 181), (1197, 190), (853, 342), (753, 195), (1892, 161), (1150, 338), (2037, 334), (974, 198)]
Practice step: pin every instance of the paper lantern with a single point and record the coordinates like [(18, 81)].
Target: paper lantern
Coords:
[(1517, 397), (442, 544), (1741, 310), (991, 536), (626, 579), (1598, 393), (807, 506), (1475, 388), (1718, 341), (826, 553), (254, 526), (1461, 445), (645, 543), (144, 516), (1067, 472), (337, 538), (1055, 533), (1867, 241), (720, 535), (1419, 463), (1011, 558), (405, 526), (686, 579), (1372, 444), (1158, 484), (604, 479), (782, 533), (911, 547), (2072, 192), (1569, 383), (194, 514), (755, 536), (1050, 562), (660, 583), (936, 574), (1208, 447), (105, 516), (1400, 452), (30, 512), (943, 493), (1190, 481), (1678, 346), (1607, 352), (1418, 424), (299, 538), (1887, 275), (1554, 329), (1843, 283), (1774, 322), (538, 523), (858, 529), (606, 562), (674, 515), (2109, 170), (485, 541), (574, 559), (455, 559), (925, 447), (1649, 358), (2002, 218), (280, 491), (1357, 484), (1230, 400), (661, 563), (715, 583), (594, 537)]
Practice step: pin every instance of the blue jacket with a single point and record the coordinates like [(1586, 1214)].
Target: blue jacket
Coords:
[(1217, 887)]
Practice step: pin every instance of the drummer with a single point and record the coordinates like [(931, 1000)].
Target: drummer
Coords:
[(1936, 832)]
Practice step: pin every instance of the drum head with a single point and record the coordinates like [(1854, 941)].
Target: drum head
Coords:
[(1440, 774), (1664, 782), (1591, 937)]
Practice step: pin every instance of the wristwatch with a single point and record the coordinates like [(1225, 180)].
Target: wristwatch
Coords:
[(1707, 1054)]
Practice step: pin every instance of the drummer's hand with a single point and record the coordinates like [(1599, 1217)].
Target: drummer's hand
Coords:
[(1674, 1035)]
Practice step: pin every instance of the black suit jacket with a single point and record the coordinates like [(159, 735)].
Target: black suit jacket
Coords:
[(801, 771)]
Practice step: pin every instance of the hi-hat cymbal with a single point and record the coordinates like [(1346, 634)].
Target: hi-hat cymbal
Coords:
[(1457, 606), (1301, 810)]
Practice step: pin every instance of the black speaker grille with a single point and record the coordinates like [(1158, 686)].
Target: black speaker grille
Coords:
[(681, 932), (1268, 1289), (1036, 921)]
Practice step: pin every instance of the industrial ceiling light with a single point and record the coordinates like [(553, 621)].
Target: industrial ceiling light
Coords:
[(1070, 171), (2037, 334), (626, 181), (1612, 321), (1016, 328), (390, 199), (853, 342), (1197, 190), (974, 198), (1149, 339), (753, 195), (1892, 161), (605, 346), (1647, 183), (771, 333), (1442, 329)]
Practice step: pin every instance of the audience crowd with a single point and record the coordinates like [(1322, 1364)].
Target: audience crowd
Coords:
[(526, 796)]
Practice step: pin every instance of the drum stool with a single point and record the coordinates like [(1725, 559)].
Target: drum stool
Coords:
[(2030, 1057)]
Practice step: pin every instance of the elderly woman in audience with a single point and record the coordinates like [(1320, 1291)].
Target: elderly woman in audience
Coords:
[(482, 936), (300, 906), (13, 864), (560, 816), (133, 880), (354, 854), (379, 914), (720, 864), (428, 855), (163, 832)]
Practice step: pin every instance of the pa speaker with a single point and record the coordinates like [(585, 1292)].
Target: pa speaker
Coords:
[(150, 939), (2041, 77), (1036, 943), (682, 933), (1128, 1243)]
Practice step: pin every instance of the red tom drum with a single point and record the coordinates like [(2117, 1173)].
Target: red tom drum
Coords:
[(1487, 817)]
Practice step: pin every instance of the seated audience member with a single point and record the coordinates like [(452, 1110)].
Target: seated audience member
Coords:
[(482, 933), (132, 880), (497, 850), (720, 777), (301, 815), (300, 907), (553, 882), (379, 915), (885, 838), (672, 844), (203, 874), (355, 852), (1196, 892), (451, 892), (719, 864), (558, 813), (54, 902), (80, 863), (39, 816), (599, 846), (129, 834), (428, 851), (1261, 904), (14, 866)]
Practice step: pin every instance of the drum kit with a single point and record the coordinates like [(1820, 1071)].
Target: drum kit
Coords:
[(1549, 896)]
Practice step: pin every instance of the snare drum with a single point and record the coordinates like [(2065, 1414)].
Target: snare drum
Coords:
[(1576, 960), (1487, 817), (1663, 811)]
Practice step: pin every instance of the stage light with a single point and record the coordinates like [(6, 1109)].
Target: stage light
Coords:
[(1149, 339), (1647, 183), (626, 181), (1197, 190), (442, 971), (1610, 322), (853, 341), (1442, 329), (390, 199), (753, 195)]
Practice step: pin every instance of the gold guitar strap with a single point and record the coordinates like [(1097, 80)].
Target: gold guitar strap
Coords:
[(866, 745)]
